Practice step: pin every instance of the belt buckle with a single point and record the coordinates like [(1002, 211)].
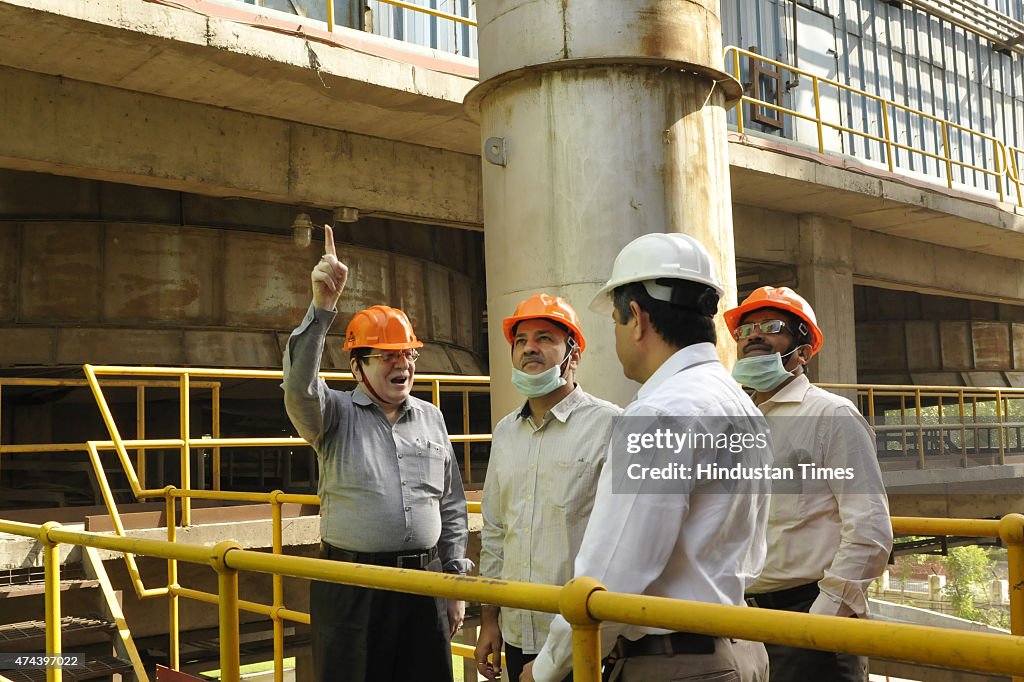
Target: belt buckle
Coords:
[(410, 561)]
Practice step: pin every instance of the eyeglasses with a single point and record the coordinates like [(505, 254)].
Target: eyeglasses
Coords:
[(391, 356), (764, 326)]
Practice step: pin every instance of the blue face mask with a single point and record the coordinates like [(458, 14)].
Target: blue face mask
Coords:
[(762, 372), (536, 385)]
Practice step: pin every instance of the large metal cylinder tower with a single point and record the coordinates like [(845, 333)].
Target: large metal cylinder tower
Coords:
[(601, 121)]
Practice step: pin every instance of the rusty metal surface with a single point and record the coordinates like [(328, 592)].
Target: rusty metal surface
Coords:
[(923, 345), (955, 337), (156, 273), (991, 344)]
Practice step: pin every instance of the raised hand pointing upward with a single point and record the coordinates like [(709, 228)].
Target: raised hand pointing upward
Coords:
[(329, 275)]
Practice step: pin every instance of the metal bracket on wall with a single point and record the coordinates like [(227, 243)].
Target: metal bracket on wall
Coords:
[(494, 150)]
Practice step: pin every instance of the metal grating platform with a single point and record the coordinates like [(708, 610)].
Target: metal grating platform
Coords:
[(36, 629), (96, 667)]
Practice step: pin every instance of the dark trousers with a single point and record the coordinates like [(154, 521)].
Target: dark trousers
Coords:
[(364, 635), (515, 661), (789, 664)]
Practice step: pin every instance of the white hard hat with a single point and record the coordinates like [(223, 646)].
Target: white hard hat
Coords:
[(654, 256)]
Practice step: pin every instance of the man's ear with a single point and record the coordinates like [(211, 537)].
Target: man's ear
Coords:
[(574, 358), (357, 371), (804, 353), (640, 320)]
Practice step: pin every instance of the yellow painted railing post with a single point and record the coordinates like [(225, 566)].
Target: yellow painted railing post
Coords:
[(1011, 531), (216, 434), (330, 16), (140, 433), (586, 634), (173, 647), (186, 451), (51, 567), (817, 115), (227, 583), (278, 589)]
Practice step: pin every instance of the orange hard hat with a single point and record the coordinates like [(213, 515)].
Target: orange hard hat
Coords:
[(782, 298), (545, 307), (380, 327)]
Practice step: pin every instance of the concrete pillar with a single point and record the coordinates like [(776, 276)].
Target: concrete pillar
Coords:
[(601, 121), (936, 585), (825, 279), (884, 583), (1000, 591)]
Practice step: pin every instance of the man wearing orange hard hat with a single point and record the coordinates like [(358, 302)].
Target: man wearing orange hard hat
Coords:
[(545, 461), (390, 491), (829, 534)]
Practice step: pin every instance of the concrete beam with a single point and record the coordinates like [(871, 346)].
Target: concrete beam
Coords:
[(233, 58), (785, 178), (67, 127)]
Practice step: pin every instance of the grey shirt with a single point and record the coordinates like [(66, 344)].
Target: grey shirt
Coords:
[(382, 488)]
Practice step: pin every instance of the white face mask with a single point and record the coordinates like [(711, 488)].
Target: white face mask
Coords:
[(762, 372), (551, 379), (536, 385)]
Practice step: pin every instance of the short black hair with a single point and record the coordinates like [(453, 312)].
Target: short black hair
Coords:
[(683, 322), (793, 323)]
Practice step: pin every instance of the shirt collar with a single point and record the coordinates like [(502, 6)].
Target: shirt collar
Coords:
[(361, 397), (793, 392), (684, 358), (560, 411)]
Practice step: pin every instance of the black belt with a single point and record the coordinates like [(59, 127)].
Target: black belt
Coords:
[(664, 645), (414, 558), (783, 599)]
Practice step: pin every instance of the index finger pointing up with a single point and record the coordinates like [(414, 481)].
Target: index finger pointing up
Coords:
[(329, 242)]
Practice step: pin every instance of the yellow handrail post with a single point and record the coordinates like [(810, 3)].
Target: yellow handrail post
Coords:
[(466, 446), (1011, 531), (216, 434), (963, 427), (51, 567), (227, 584), (997, 147), (920, 429), (186, 451), (330, 16), (739, 106), (946, 155), (173, 647), (435, 393), (886, 136), (278, 589), (817, 115), (140, 433), (999, 427), (586, 634)]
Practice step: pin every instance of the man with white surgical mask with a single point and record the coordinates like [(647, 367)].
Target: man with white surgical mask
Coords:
[(545, 461), (829, 535)]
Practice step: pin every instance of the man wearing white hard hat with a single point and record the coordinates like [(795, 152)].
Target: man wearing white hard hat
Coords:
[(686, 539), (827, 543), (546, 457)]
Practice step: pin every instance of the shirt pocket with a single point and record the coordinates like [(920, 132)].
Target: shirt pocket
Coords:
[(571, 486), (431, 458)]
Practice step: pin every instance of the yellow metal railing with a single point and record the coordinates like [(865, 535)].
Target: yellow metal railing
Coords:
[(583, 602), (429, 11), (965, 424), (1004, 170)]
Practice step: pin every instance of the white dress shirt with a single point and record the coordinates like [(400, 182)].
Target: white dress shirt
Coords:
[(700, 546), (840, 535), (538, 494)]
